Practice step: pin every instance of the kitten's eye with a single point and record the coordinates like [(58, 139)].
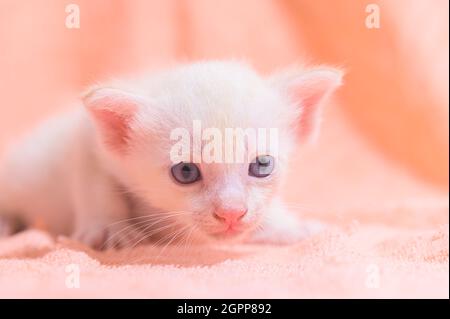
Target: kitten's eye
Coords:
[(262, 167), (185, 173)]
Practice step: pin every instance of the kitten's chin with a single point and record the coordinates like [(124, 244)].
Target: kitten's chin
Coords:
[(227, 234)]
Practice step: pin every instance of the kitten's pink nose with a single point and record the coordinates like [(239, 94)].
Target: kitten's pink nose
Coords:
[(230, 216)]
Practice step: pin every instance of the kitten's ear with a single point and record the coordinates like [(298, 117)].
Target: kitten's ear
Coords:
[(113, 110), (308, 90)]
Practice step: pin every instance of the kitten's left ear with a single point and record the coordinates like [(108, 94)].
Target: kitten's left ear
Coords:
[(113, 111), (308, 90)]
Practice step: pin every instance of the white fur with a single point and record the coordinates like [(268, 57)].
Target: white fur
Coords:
[(66, 175)]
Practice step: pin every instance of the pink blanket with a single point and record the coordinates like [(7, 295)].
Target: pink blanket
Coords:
[(359, 262)]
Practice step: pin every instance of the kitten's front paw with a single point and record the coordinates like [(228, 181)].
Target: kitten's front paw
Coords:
[(116, 235), (286, 233)]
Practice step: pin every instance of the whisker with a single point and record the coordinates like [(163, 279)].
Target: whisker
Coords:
[(147, 219), (145, 235), (182, 230), (186, 246), (137, 260), (143, 228), (149, 215), (151, 233), (124, 229), (186, 240)]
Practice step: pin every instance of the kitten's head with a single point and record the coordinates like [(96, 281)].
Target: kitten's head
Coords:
[(217, 185)]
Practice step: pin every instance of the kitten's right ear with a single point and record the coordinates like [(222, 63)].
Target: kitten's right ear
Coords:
[(113, 111), (307, 90)]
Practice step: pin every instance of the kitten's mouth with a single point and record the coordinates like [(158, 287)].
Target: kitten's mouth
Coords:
[(231, 231)]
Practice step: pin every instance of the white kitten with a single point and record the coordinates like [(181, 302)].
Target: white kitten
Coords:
[(84, 173)]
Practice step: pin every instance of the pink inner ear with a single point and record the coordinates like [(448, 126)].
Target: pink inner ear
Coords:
[(310, 92), (114, 127), (309, 98), (112, 113)]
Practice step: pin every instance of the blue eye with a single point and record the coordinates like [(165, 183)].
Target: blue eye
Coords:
[(185, 173), (262, 166)]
